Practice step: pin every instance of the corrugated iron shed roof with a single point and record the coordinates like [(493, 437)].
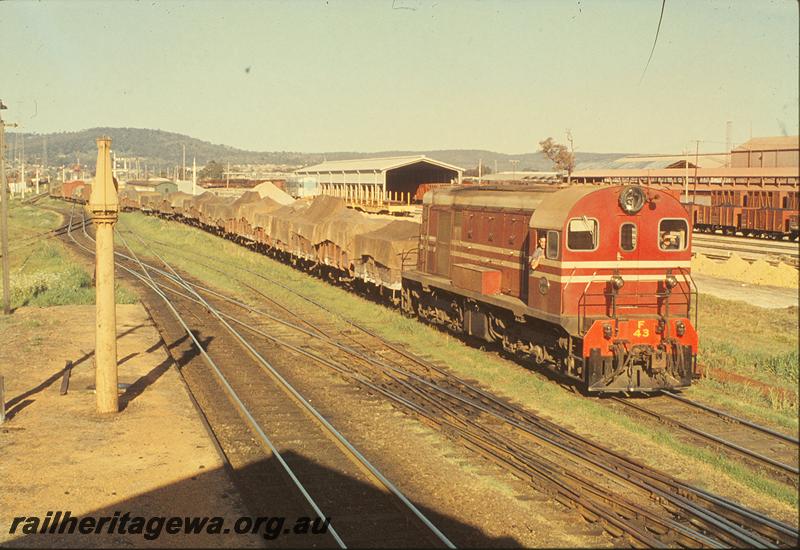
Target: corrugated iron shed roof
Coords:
[(709, 160), (753, 172), (781, 143), (520, 176), (372, 165)]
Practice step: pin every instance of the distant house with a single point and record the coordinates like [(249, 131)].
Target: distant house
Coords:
[(767, 152)]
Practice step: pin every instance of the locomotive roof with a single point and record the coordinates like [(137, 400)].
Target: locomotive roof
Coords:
[(518, 197)]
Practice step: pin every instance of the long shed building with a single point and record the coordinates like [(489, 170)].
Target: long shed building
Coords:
[(381, 178)]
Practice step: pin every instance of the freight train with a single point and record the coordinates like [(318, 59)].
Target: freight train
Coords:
[(751, 213), (590, 282)]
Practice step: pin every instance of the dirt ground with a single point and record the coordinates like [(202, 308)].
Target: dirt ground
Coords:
[(757, 295), (154, 458)]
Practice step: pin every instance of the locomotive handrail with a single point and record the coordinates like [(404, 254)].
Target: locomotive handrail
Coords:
[(687, 276), (405, 255), (658, 299)]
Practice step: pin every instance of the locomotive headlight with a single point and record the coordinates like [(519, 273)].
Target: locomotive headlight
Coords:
[(544, 286), (672, 282), (680, 328), (631, 199), (617, 282), (607, 331)]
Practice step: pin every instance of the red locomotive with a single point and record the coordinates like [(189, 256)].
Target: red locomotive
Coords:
[(591, 281)]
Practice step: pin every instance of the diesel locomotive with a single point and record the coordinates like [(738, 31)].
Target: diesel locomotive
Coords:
[(592, 282)]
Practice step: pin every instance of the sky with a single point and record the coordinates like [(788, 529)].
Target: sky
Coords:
[(336, 75)]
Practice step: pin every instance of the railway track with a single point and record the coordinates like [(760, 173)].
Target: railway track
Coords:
[(722, 246), (757, 445), (290, 430), (629, 498)]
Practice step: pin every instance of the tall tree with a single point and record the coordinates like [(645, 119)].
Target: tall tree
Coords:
[(485, 170), (211, 171), (562, 157)]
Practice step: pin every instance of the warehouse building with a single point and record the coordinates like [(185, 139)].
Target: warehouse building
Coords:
[(768, 163), (381, 179), (767, 152)]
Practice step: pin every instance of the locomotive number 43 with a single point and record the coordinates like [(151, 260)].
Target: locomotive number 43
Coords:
[(641, 330)]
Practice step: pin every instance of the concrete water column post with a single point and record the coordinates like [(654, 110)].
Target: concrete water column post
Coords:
[(104, 206)]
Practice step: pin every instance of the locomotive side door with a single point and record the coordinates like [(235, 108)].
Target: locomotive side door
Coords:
[(444, 227)]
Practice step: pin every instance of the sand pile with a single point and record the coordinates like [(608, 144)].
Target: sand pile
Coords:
[(760, 273), (737, 269), (787, 274), (269, 191)]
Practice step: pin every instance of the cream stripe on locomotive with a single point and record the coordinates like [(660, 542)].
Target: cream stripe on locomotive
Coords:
[(487, 248), (612, 264), (626, 264), (483, 260), (632, 264), (629, 277), (560, 278)]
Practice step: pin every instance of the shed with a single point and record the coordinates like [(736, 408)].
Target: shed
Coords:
[(157, 185), (767, 152), (380, 178)]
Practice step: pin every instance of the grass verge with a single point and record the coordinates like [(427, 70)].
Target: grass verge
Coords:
[(43, 271)]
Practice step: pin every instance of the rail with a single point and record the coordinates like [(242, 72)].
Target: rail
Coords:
[(713, 521), (224, 319)]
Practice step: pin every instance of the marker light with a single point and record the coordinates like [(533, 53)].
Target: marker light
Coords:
[(672, 282)]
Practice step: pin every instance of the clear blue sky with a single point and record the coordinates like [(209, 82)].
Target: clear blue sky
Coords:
[(419, 74)]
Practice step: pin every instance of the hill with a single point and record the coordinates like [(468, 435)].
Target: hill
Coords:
[(164, 149)]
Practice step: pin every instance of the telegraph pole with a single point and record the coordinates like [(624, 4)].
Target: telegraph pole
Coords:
[(4, 213), (104, 206), (696, 161)]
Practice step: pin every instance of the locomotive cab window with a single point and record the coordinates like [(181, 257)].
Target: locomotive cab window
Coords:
[(583, 233), (551, 252), (627, 237), (673, 234)]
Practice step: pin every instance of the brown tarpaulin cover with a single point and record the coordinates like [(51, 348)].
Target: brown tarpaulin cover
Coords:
[(174, 202), (263, 206), (324, 219), (202, 206), (150, 199), (129, 198), (249, 197), (389, 244)]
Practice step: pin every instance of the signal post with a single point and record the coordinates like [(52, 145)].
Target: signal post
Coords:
[(104, 206)]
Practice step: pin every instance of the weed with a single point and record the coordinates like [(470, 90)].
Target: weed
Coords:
[(44, 273)]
